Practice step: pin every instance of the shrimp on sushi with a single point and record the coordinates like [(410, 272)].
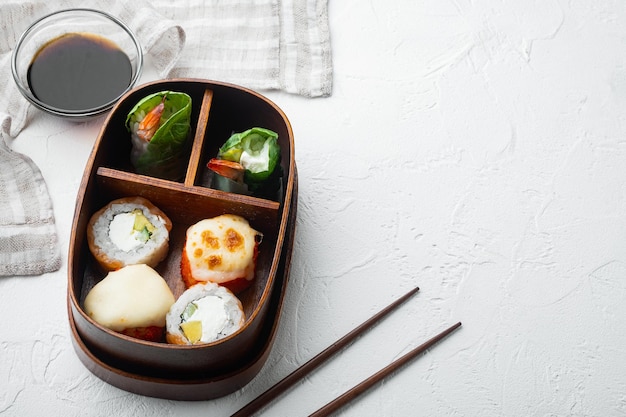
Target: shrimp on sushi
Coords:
[(150, 123), (231, 170)]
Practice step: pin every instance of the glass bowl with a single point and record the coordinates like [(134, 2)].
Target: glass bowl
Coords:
[(76, 63)]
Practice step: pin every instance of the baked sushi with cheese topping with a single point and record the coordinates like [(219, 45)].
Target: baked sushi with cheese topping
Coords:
[(222, 250), (129, 231), (133, 300), (204, 313)]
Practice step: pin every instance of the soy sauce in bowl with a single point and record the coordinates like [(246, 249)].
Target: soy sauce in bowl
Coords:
[(79, 71), (76, 63)]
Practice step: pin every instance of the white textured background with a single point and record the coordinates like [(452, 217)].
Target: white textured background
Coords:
[(476, 149)]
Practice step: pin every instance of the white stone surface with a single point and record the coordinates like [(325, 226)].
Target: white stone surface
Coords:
[(476, 149)]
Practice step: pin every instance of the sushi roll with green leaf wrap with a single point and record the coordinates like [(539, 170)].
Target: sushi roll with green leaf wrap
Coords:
[(159, 125), (250, 158)]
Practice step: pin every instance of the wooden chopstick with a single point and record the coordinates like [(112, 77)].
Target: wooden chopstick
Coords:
[(351, 394), (317, 360)]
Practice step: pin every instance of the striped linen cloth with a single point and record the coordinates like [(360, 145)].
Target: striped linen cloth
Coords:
[(261, 44), (28, 239)]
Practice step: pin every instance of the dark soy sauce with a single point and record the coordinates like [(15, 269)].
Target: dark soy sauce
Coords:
[(79, 71)]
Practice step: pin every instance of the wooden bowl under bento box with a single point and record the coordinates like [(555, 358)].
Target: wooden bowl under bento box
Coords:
[(218, 109)]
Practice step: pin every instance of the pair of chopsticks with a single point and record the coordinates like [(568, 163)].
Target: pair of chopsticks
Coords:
[(317, 360)]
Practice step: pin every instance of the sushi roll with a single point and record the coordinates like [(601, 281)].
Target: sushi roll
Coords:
[(159, 127), (133, 300), (222, 250), (129, 231), (249, 163), (204, 313)]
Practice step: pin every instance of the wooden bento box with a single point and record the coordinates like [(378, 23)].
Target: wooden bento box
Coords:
[(202, 371)]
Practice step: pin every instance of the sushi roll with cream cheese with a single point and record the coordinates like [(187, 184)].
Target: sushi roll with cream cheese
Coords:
[(222, 250), (204, 313), (129, 231)]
